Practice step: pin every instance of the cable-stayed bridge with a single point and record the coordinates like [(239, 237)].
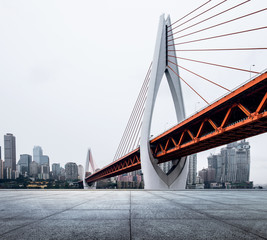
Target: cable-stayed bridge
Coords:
[(239, 114)]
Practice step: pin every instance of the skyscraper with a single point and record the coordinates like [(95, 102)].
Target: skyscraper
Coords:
[(192, 170), (37, 153), (44, 160), (80, 172), (203, 174), (232, 164), (10, 154), (33, 169), (215, 162), (44, 173), (56, 170), (166, 166), (1, 169), (24, 163), (71, 171), (1, 166), (211, 175), (243, 162)]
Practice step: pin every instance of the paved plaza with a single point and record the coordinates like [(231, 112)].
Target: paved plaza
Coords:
[(93, 214)]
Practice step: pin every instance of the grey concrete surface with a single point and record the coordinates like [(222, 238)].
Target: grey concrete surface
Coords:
[(93, 214)]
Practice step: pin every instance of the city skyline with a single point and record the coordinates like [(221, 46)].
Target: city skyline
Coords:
[(40, 160), (36, 166), (57, 93), (229, 168), (36, 155)]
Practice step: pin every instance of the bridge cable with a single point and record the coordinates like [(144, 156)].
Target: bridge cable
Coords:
[(138, 128), (217, 49), (219, 24), (218, 36), (137, 118), (217, 65), (190, 13), (136, 133), (198, 15), (135, 127), (200, 76), (188, 84), (125, 133), (133, 118), (204, 20)]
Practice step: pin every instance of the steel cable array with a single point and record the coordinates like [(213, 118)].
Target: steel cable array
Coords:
[(132, 131), (131, 135), (174, 36)]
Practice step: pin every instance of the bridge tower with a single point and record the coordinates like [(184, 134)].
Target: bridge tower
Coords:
[(89, 162), (154, 177)]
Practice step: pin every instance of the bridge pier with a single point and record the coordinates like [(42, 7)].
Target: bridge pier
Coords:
[(89, 161), (154, 177)]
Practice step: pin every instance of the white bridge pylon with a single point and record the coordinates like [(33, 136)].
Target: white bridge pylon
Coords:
[(89, 162), (154, 177)]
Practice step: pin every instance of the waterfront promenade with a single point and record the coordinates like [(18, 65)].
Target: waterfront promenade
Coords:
[(124, 214)]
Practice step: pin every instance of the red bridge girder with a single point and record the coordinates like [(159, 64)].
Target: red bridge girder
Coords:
[(127, 163), (238, 115)]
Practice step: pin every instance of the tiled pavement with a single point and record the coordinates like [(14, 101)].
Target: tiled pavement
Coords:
[(93, 214)]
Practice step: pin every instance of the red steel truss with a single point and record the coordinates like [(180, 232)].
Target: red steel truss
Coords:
[(240, 114), (127, 163)]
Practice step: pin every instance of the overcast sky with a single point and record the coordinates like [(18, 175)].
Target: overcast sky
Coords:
[(70, 72)]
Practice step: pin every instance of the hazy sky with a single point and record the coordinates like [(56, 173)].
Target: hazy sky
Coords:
[(70, 72)]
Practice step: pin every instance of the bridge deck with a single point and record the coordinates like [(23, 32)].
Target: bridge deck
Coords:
[(133, 214), (238, 115)]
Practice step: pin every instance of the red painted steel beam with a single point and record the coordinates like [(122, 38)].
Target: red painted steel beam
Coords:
[(127, 163), (249, 127), (245, 123), (240, 114), (262, 79)]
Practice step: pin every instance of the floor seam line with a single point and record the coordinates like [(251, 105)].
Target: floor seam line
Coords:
[(41, 219), (212, 217)]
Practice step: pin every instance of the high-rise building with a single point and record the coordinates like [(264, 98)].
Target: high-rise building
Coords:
[(232, 164), (10, 155), (56, 170), (1, 165), (1, 169), (80, 172), (62, 171), (62, 174), (215, 162), (34, 169), (8, 173), (207, 175), (71, 171), (37, 153), (24, 164), (192, 170), (44, 160), (203, 174), (242, 162), (44, 172), (211, 175), (166, 166)]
